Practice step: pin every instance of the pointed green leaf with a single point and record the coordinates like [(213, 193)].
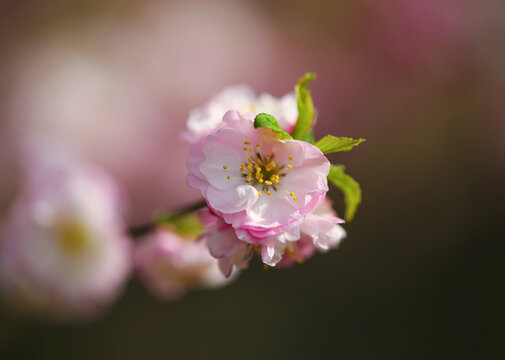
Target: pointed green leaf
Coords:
[(331, 144), (350, 188), (305, 106), (269, 122)]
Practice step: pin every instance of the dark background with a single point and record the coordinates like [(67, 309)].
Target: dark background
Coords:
[(421, 274)]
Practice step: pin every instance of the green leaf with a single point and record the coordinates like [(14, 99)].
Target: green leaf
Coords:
[(269, 122), (308, 137), (187, 226), (331, 144), (305, 106), (350, 188)]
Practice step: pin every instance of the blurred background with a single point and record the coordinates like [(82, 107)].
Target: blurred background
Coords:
[(421, 274)]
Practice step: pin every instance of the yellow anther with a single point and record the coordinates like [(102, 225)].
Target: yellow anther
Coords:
[(245, 148), (249, 167), (268, 182), (241, 169), (290, 157), (246, 142), (260, 181), (267, 169), (291, 194), (290, 166), (258, 145), (225, 167), (250, 159), (242, 165), (228, 177), (259, 193), (295, 198), (259, 161), (269, 193), (281, 172), (272, 164), (250, 150)]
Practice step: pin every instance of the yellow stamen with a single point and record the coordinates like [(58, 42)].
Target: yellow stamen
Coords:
[(291, 194), (281, 172), (290, 166), (228, 177), (250, 159), (245, 148), (225, 167), (268, 182), (249, 167), (246, 142), (259, 193), (290, 157), (258, 145), (269, 193), (241, 169), (295, 198), (260, 181)]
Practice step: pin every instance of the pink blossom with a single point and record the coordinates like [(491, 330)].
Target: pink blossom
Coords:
[(261, 186), (203, 121), (170, 265), (63, 251), (318, 232)]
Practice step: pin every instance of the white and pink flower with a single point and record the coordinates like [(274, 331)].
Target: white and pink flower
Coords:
[(170, 265), (63, 251), (320, 231), (262, 186), (203, 121)]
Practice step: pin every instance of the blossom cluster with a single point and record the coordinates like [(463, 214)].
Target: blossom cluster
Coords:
[(65, 248), (265, 190)]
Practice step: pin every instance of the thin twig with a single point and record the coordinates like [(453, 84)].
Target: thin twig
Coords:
[(144, 229)]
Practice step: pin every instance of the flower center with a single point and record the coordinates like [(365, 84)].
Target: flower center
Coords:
[(263, 171), (72, 237)]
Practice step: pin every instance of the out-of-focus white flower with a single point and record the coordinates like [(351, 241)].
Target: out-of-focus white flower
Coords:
[(63, 251), (170, 265), (203, 121)]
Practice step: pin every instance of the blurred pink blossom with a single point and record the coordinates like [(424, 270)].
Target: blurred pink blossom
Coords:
[(63, 251), (203, 121), (170, 265)]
